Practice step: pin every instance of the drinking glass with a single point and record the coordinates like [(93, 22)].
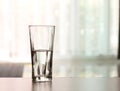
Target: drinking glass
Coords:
[(41, 43)]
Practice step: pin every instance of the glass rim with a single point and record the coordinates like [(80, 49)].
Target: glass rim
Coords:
[(41, 25)]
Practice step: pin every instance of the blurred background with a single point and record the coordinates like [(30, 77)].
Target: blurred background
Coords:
[(86, 30)]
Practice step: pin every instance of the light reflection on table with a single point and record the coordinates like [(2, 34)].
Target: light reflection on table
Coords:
[(61, 84)]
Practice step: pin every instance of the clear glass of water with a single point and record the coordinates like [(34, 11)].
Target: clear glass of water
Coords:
[(41, 43)]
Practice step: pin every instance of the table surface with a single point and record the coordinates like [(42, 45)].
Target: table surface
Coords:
[(61, 84)]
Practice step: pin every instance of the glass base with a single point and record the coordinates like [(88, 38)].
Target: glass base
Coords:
[(41, 79)]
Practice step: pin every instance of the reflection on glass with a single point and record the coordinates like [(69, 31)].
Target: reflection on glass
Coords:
[(43, 86)]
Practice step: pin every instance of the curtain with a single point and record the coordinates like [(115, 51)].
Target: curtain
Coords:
[(84, 28)]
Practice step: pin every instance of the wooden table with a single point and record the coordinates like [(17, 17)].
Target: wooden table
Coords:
[(61, 84)]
